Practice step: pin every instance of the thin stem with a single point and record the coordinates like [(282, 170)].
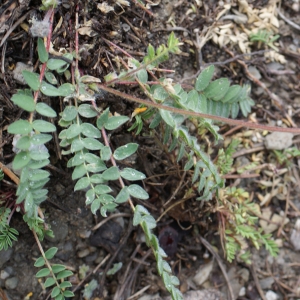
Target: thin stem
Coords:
[(199, 115)]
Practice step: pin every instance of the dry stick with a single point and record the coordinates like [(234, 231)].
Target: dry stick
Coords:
[(219, 260), (109, 218), (257, 284), (287, 202), (291, 23), (176, 190), (199, 115)]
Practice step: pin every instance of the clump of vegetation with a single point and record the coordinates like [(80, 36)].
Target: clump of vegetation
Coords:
[(84, 138)]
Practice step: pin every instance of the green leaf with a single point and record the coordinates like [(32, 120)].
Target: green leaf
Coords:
[(217, 89), (23, 101), (37, 175), (159, 93), (38, 164), (95, 205), (125, 151), (115, 122), (142, 75), (111, 174), (64, 274), (51, 252), (39, 154), (92, 144), (49, 282), (23, 143), (92, 158), (89, 196), (43, 273), (55, 292), (32, 79), (102, 189), (49, 90), (97, 178), (204, 78), (21, 160), (43, 126), (69, 113), (68, 293), (45, 110), (54, 64), (167, 117), (20, 127), (66, 89), (58, 268), (73, 130), (42, 52), (132, 174), (40, 139), (79, 171), (103, 119), (105, 153), (137, 192), (90, 130), (51, 78), (232, 94), (39, 262), (123, 195), (97, 167), (82, 183), (202, 103), (77, 145), (87, 111), (65, 284)]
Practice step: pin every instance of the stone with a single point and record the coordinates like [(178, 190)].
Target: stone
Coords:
[(11, 283), (266, 283), (5, 256), (270, 295), (60, 231), (279, 140), (203, 273), (295, 236), (17, 72)]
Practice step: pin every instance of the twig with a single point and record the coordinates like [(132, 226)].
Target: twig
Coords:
[(291, 23), (109, 218), (196, 114), (221, 265), (176, 190), (258, 287)]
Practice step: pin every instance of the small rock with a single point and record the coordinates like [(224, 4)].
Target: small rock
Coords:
[(4, 274), (270, 295), (266, 283), (279, 140), (17, 72), (65, 253), (295, 235), (5, 256), (254, 72), (83, 253), (203, 273), (60, 231), (11, 283), (242, 292)]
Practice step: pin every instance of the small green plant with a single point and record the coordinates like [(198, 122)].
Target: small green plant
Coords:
[(238, 224), (58, 275), (84, 138), (266, 37)]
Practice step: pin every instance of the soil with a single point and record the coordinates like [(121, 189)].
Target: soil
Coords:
[(183, 232)]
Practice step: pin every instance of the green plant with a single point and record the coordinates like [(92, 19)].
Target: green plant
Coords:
[(266, 37), (238, 223), (85, 141)]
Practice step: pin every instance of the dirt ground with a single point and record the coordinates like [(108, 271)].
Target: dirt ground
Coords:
[(188, 234)]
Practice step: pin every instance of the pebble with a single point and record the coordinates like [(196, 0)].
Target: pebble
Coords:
[(242, 292), (60, 231), (203, 273), (4, 274), (11, 283), (17, 72), (266, 283), (295, 236), (5, 256), (279, 140), (270, 295), (83, 253)]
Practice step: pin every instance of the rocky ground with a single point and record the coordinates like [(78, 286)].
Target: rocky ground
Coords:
[(211, 32)]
